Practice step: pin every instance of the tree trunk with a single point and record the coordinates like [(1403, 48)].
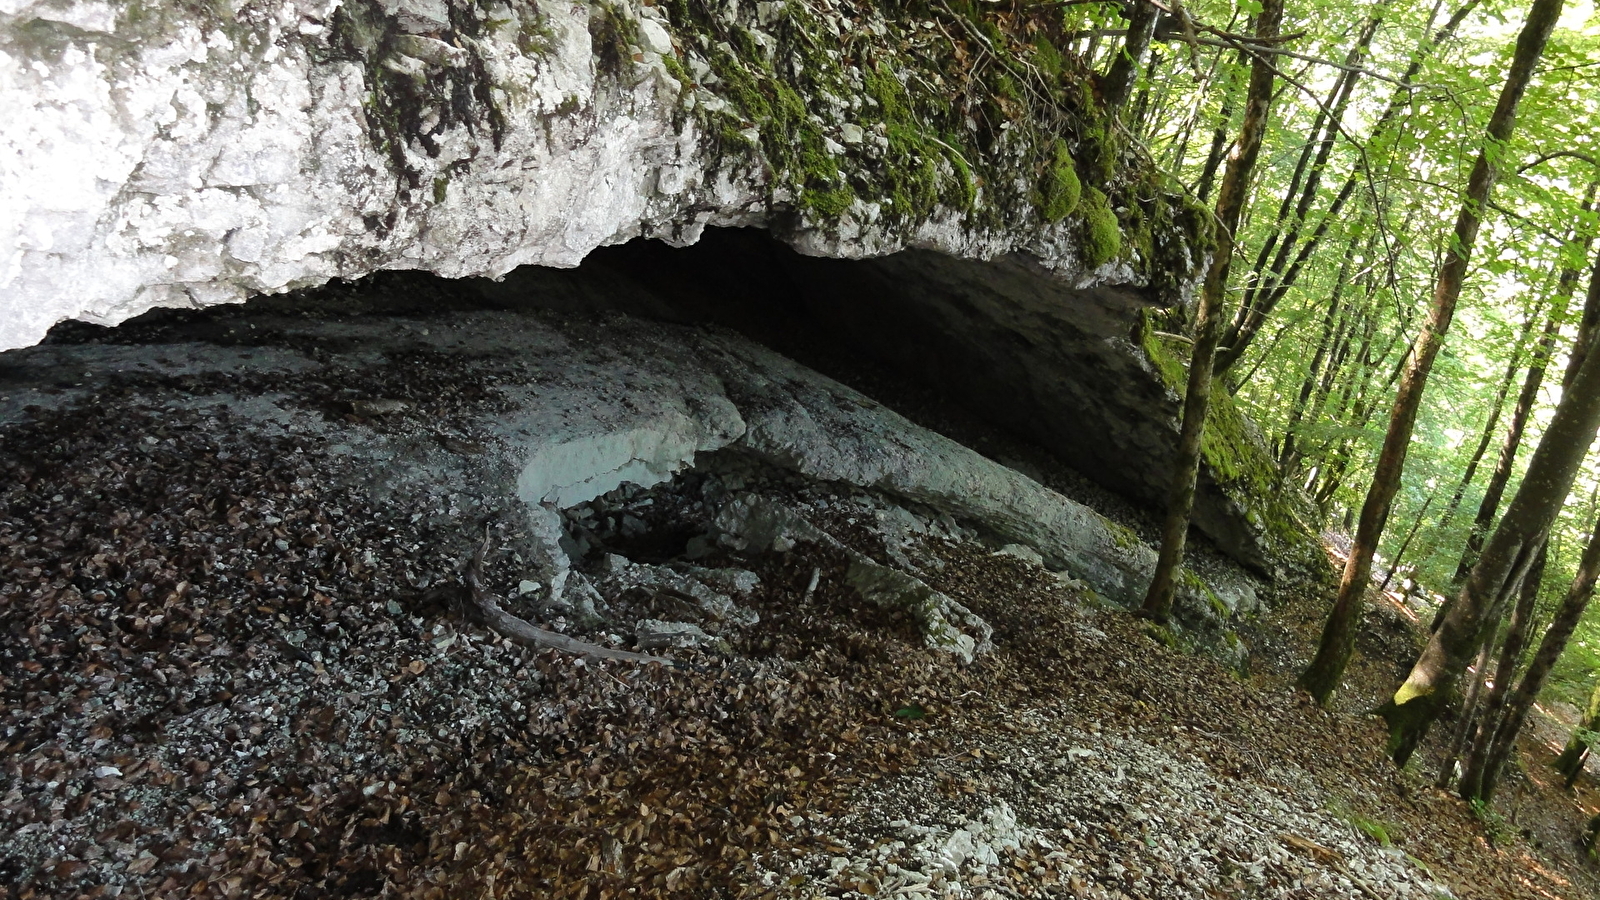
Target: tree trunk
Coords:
[(1489, 426), (1219, 138), (1469, 718), (1532, 382), (1197, 395), (1570, 762), (1124, 70), (1399, 555), (1308, 387), (1262, 294), (1551, 471), (1506, 462), (1260, 301), (1517, 633), (1550, 648), (1321, 678)]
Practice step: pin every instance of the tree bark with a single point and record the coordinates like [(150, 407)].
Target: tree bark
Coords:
[(1124, 71), (1517, 633), (1527, 519), (1469, 718), (1550, 649), (1576, 753), (1322, 677), (1400, 555), (1197, 395)]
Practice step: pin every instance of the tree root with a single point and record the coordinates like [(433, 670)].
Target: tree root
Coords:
[(523, 632)]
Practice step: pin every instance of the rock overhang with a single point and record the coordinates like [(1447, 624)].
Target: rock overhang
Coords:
[(189, 155), (166, 155)]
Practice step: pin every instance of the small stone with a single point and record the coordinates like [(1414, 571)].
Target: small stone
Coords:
[(526, 587), (654, 38), (851, 133), (654, 634)]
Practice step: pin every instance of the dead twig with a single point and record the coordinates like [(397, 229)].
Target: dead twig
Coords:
[(524, 632)]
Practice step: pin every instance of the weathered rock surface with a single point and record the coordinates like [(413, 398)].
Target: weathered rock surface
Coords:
[(183, 155), (1077, 371), (188, 156), (578, 410)]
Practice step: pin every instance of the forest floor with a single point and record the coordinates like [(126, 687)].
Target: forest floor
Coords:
[(227, 672)]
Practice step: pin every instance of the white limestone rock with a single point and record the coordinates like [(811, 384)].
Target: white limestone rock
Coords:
[(192, 156)]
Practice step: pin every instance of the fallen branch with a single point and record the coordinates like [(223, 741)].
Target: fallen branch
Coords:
[(524, 632)]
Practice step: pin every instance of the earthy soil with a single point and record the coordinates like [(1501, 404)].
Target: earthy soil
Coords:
[(229, 672)]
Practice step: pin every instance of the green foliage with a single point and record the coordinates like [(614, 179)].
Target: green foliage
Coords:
[(1495, 828), (1384, 833)]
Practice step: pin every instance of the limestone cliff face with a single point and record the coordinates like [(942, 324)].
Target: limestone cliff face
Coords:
[(156, 153), (166, 154)]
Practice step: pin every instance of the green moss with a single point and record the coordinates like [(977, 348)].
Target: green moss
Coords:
[(830, 203), (1234, 456), (1121, 535), (1162, 635), (411, 101), (884, 88), (1047, 58), (1023, 131), (612, 34), (1102, 233), (676, 70), (441, 189), (1098, 143), (1061, 189)]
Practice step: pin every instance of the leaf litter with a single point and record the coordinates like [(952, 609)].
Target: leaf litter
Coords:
[(232, 669)]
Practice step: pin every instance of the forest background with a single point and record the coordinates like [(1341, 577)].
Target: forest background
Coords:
[(1397, 180)]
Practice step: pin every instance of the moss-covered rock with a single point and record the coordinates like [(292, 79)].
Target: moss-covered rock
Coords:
[(1235, 458), (1102, 233)]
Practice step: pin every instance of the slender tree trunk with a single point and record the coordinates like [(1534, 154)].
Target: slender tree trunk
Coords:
[(1262, 295), (1330, 321), (1505, 464), (1465, 728), (1400, 555), (1321, 679), (1275, 282), (1219, 138), (1489, 426), (1517, 633), (1576, 753), (1124, 70), (1197, 396), (1527, 519), (1550, 649)]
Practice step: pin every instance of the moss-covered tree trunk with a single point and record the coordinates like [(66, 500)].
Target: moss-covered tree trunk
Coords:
[(1570, 762), (1322, 677), (1213, 294), (1544, 489)]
